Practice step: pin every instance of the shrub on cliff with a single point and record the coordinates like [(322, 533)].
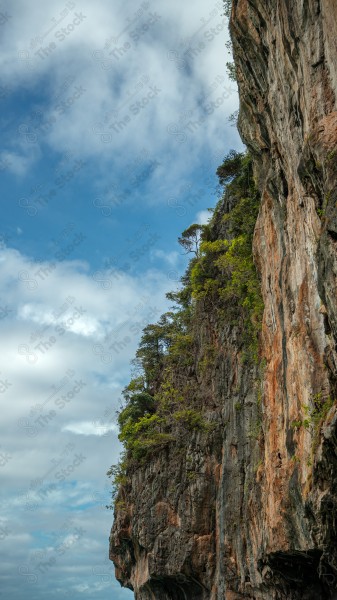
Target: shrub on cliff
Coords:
[(221, 282), (225, 275)]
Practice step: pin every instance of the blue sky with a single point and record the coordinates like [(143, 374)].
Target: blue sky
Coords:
[(114, 119)]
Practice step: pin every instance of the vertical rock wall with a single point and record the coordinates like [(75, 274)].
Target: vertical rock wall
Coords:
[(286, 57)]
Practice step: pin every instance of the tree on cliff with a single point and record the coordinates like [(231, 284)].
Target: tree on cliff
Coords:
[(230, 167), (190, 239)]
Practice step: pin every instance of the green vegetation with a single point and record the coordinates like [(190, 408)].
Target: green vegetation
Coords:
[(231, 71), (256, 430), (190, 239), (295, 459), (225, 275), (191, 419), (227, 7), (117, 474), (231, 68), (314, 415), (164, 400), (331, 155), (322, 211)]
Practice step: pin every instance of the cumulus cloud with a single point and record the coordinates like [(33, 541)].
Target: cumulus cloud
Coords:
[(66, 344), (171, 258), (90, 428), (18, 164), (138, 73), (203, 217)]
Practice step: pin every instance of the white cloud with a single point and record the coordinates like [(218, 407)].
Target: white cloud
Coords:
[(58, 427), (97, 587), (74, 318), (171, 258), (203, 217), (18, 164), (165, 86), (90, 428), (56, 368)]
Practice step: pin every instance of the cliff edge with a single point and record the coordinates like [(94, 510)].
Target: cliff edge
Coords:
[(232, 491)]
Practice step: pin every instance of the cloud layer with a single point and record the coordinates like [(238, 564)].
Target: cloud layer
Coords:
[(146, 73), (66, 345), (114, 119)]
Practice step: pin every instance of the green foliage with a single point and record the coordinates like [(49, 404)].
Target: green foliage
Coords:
[(331, 154), (225, 272), (242, 285), (153, 345), (181, 297), (147, 423), (144, 435), (231, 71), (168, 396), (162, 402), (191, 476), (139, 404), (258, 466), (233, 118), (190, 238), (295, 459), (322, 211), (255, 430), (180, 350), (315, 415), (231, 68), (191, 419), (207, 361), (117, 474), (230, 167), (204, 273), (227, 7), (320, 411)]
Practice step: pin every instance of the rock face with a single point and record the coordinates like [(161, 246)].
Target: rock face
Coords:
[(250, 512)]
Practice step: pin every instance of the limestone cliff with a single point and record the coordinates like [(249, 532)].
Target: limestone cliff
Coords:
[(247, 508)]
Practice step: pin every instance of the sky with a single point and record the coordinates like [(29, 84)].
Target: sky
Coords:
[(114, 118)]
